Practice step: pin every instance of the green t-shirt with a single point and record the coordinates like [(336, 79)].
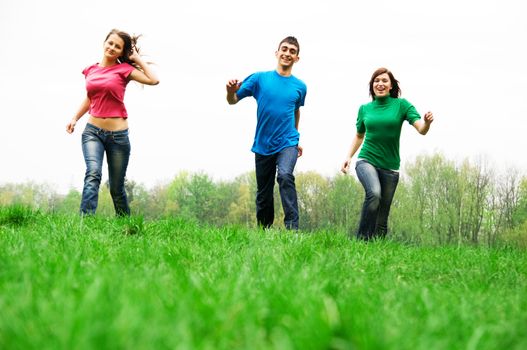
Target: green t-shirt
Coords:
[(381, 121)]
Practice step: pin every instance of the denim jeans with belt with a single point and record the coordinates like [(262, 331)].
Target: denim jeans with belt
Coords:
[(96, 141), (379, 186), (281, 165)]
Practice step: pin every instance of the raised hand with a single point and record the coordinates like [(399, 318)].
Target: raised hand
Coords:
[(233, 85), (135, 56), (428, 117)]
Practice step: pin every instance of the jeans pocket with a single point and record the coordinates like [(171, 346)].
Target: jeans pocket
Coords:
[(121, 139), (87, 136), (359, 162)]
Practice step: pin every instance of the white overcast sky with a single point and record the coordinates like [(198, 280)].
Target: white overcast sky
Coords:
[(463, 60)]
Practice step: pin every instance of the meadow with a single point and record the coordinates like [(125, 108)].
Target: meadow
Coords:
[(68, 282)]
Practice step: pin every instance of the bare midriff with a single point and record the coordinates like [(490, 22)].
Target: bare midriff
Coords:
[(109, 123)]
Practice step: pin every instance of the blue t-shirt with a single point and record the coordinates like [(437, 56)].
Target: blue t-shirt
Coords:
[(278, 98)]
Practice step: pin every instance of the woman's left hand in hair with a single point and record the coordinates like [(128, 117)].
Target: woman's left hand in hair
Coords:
[(135, 55)]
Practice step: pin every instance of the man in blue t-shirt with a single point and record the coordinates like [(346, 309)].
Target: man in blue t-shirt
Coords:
[(279, 96)]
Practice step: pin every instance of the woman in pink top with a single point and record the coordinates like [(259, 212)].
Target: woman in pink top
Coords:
[(107, 127)]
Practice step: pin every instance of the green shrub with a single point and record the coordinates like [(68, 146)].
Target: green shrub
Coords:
[(16, 215)]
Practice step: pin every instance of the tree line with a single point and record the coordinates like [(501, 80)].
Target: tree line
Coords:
[(438, 201)]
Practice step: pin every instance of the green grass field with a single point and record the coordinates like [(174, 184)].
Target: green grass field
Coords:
[(73, 283)]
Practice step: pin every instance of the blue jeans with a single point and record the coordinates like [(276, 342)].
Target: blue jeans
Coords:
[(281, 165), (379, 186), (95, 142)]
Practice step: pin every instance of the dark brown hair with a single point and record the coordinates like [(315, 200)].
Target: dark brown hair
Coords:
[(130, 42), (395, 91), (290, 40)]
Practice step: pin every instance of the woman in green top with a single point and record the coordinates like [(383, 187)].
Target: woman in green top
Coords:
[(379, 126)]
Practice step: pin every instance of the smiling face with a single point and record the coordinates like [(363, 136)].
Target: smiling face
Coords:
[(113, 47), (287, 54), (382, 85)]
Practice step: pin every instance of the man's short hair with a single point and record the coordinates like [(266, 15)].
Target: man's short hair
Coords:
[(290, 40)]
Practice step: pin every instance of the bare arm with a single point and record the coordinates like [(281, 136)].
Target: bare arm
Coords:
[(297, 118), (147, 76), (232, 86), (355, 144), (423, 125), (84, 107), (297, 122)]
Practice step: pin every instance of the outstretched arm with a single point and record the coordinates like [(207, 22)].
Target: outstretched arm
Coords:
[(84, 107), (423, 125), (355, 144), (232, 86)]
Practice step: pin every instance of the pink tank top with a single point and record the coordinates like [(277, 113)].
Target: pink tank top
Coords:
[(106, 87)]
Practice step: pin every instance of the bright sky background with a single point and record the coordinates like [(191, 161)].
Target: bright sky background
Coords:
[(463, 60)]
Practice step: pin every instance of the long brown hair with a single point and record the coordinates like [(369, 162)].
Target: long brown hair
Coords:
[(395, 91)]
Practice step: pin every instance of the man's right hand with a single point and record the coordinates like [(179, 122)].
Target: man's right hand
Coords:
[(232, 86)]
